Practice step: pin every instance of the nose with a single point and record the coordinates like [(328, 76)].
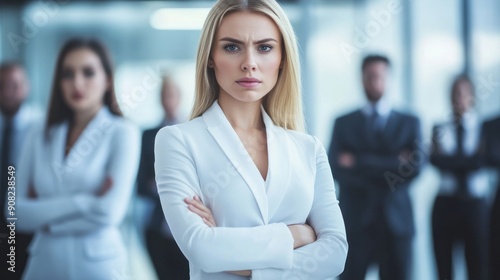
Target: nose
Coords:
[(78, 81), (249, 63)]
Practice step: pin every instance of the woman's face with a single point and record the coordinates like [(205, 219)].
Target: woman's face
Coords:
[(462, 98), (246, 56), (84, 80)]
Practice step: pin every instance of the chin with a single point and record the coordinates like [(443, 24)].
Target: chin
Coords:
[(78, 106), (249, 96)]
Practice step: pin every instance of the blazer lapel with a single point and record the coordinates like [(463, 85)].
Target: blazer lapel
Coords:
[(278, 177), (224, 134), (56, 149)]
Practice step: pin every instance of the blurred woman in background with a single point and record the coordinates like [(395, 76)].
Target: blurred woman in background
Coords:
[(76, 176), (460, 212)]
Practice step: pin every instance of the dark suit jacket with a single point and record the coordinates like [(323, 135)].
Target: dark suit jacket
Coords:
[(491, 132), (146, 175), (375, 189)]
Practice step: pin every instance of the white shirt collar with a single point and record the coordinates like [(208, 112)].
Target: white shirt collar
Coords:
[(383, 107), (469, 120)]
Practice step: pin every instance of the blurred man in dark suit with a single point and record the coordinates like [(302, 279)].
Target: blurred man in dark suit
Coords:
[(374, 156), (168, 260), (16, 120), (491, 131)]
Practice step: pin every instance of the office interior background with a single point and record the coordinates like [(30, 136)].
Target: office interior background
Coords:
[(429, 44)]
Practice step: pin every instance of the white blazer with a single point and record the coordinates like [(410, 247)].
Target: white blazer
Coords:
[(205, 157), (76, 232)]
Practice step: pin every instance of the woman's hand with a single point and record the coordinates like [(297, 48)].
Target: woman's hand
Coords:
[(196, 206), (302, 235), (105, 187)]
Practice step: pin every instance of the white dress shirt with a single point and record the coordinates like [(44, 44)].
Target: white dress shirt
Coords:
[(76, 232), (205, 157), (23, 122), (477, 181), (383, 107)]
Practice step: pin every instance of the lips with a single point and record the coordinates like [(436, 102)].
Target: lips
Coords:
[(248, 82), (77, 96)]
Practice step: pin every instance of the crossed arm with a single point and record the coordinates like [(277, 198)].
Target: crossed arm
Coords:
[(81, 212), (302, 234), (270, 251)]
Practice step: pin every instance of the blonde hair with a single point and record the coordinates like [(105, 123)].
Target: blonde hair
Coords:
[(283, 103)]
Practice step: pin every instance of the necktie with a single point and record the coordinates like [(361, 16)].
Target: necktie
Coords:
[(374, 121), (375, 129), (461, 176), (5, 161)]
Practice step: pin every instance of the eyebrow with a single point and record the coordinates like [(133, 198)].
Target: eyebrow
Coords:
[(232, 40)]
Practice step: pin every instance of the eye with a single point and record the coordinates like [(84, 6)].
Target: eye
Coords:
[(67, 74), (265, 48), (88, 72), (231, 48)]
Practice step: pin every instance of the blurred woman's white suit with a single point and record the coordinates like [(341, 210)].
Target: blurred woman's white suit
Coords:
[(76, 232)]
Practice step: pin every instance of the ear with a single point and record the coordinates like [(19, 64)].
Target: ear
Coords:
[(210, 63), (281, 63)]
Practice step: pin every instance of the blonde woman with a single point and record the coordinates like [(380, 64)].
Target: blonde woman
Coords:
[(245, 192)]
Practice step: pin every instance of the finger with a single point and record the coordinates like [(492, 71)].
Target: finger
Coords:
[(202, 208), (198, 212), (200, 205), (108, 181), (207, 222)]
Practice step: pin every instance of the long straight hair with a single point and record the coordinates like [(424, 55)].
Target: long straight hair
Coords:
[(59, 110), (283, 103)]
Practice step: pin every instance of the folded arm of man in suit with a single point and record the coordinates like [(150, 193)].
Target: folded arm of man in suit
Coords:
[(453, 162), (370, 168)]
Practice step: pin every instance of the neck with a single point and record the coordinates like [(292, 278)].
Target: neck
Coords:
[(170, 116), (241, 115), (10, 112), (82, 118)]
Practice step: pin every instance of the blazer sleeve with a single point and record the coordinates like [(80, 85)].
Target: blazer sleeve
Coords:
[(491, 135), (325, 258), (337, 145), (453, 162), (145, 176), (344, 176), (111, 208), (35, 213), (377, 167), (212, 249)]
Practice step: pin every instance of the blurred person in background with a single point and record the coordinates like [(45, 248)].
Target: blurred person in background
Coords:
[(492, 146), (168, 260), (16, 120), (369, 149), (460, 212), (76, 176)]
